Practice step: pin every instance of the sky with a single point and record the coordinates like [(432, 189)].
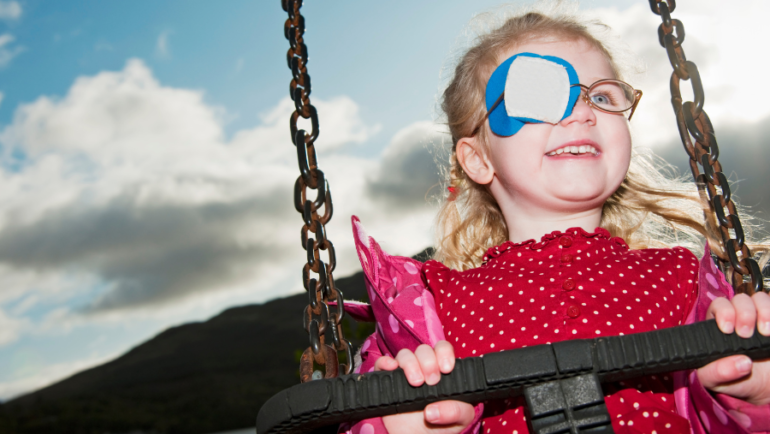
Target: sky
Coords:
[(146, 167)]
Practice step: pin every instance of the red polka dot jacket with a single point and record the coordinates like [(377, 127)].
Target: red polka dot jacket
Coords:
[(570, 285)]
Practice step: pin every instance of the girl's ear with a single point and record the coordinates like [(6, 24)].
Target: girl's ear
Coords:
[(473, 159)]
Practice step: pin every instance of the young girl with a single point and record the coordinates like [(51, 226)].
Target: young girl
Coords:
[(542, 151)]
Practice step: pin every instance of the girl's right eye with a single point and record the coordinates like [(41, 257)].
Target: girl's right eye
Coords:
[(601, 100), (611, 95)]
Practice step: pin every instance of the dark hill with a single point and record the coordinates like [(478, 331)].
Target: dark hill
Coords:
[(195, 378)]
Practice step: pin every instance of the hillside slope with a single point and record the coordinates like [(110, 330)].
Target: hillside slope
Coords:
[(195, 378)]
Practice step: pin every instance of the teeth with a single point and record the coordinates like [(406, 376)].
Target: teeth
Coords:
[(575, 150)]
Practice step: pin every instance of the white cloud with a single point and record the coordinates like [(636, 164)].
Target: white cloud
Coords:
[(130, 186), (162, 48), (133, 183), (733, 74), (7, 52), (408, 175), (10, 10), (116, 115), (131, 207)]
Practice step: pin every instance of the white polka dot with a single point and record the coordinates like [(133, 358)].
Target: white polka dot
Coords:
[(393, 323)]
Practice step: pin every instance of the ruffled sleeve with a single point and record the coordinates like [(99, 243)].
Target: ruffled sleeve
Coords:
[(403, 309)]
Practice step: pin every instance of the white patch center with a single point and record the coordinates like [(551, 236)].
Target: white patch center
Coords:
[(537, 89)]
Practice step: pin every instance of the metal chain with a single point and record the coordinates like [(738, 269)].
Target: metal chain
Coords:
[(319, 318), (693, 122)]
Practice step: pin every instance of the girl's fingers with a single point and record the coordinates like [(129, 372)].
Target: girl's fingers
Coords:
[(762, 304), (714, 375), (449, 413), (408, 362), (723, 311), (428, 363), (745, 315), (385, 363), (445, 354)]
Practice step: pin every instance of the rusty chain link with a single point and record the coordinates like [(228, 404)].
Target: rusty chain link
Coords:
[(693, 122), (319, 318)]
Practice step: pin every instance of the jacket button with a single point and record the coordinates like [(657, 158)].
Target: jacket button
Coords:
[(566, 258), (568, 284), (573, 311), (565, 241)]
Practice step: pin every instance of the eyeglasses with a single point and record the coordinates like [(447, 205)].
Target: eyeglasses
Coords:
[(611, 96), (607, 95)]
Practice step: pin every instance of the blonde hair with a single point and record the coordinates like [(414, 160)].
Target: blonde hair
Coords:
[(649, 209)]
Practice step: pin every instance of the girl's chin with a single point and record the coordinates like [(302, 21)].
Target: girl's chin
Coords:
[(581, 183), (584, 198), (576, 189)]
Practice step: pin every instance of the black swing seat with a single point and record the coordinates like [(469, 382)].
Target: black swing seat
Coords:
[(561, 382)]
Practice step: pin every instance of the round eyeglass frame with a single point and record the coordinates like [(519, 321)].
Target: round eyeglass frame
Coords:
[(584, 94)]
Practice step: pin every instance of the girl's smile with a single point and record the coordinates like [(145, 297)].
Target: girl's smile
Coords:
[(576, 148)]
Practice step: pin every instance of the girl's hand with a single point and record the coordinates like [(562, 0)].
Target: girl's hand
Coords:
[(425, 365), (738, 376)]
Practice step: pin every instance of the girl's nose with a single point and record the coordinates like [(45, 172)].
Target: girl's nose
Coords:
[(581, 112)]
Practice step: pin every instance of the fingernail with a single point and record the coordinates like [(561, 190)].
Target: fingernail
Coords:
[(743, 364), (432, 413), (433, 378), (445, 367), (727, 327), (745, 332), (415, 379), (764, 328)]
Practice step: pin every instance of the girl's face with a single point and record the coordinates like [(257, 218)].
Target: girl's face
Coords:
[(527, 178)]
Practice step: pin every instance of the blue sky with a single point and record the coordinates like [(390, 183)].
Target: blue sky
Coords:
[(371, 51), (147, 168)]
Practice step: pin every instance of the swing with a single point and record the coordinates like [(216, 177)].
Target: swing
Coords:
[(561, 382)]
